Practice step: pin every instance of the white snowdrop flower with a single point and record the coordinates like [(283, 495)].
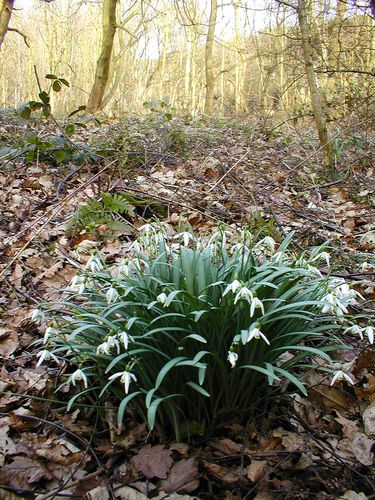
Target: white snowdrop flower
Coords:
[(356, 330), (313, 270), (333, 305), (124, 268), (186, 237), (37, 314), (94, 264), (339, 297), (232, 358), (255, 333), (46, 355), (322, 256), (340, 375), (124, 338), (162, 298), (49, 331), (269, 243), (136, 246), (244, 293), (365, 266), (266, 244), (78, 284), (232, 287), (147, 229), (369, 331), (112, 341), (103, 349), (77, 376), (112, 295), (256, 303), (126, 378)]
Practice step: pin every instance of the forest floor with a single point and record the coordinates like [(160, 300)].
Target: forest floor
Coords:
[(203, 172)]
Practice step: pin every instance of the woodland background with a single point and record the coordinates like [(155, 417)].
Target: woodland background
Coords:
[(197, 112)]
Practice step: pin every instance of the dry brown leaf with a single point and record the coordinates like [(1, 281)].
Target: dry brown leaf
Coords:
[(29, 379), (226, 446), (58, 450), (17, 275), (257, 470), (361, 446), (48, 273), (349, 427), (126, 493), (291, 441), (8, 342), (153, 461), (98, 493), (45, 181), (366, 360), (22, 472), (331, 398), (352, 495), (173, 496), (7, 445), (369, 420), (182, 477), (306, 460), (227, 476), (181, 448)]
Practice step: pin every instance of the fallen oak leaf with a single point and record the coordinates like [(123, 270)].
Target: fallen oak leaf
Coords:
[(22, 472), (182, 477), (153, 461)]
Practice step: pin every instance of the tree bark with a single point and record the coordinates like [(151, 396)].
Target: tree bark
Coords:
[(95, 101), (210, 79), (5, 15), (316, 101)]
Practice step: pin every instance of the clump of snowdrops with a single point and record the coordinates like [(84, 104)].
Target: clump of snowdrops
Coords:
[(185, 329)]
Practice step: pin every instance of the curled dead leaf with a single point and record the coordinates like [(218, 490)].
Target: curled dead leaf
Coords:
[(257, 470)]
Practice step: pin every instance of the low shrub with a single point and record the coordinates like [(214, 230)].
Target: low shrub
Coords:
[(187, 329)]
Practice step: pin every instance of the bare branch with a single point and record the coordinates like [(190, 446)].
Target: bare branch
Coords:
[(25, 39)]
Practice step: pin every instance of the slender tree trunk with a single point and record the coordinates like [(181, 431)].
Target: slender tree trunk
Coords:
[(316, 101), (5, 15), (95, 102), (210, 79)]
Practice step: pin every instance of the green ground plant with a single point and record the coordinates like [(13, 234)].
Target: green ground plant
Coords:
[(109, 210), (186, 330)]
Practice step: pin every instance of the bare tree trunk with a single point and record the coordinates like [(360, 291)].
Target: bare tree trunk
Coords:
[(316, 101), (95, 102), (5, 15), (210, 79)]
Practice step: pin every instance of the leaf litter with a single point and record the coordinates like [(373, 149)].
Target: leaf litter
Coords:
[(318, 446)]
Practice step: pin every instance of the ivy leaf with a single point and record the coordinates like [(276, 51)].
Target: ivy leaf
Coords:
[(46, 113), (56, 86), (69, 129), (44, 97), (65, 82), (26, 112), (59, 155)]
